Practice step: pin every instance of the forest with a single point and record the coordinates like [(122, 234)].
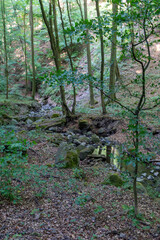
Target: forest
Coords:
[(79, 119)]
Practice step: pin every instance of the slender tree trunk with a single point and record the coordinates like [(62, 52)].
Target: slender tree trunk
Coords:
[(89, 57), (56, 55), (113, 61), (32, 51), (80, 7), (69, 56), (5, 44), (56, 28), (70, 22), (25, 51), (102, 59), (136, 164)]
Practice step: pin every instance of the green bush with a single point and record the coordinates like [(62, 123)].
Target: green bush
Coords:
[(13, 160)]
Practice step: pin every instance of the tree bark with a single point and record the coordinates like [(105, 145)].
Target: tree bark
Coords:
[(102, 60), (5, 45), (56, 56), (32, 51), (92, 102), (25, 51), (80, 7), (70, 58), (113, 61)]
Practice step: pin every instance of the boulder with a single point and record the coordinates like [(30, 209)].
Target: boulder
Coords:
[(95, 138), (114, 179), (55, 115), (85, 152), (83, 124), (48, 123), (66, 156), (57, 138), (83, 139)]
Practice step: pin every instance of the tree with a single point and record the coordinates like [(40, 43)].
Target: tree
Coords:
[(56, 56), (32, 51), (113, 61), (89, 57), (5, 44), (102, 59), (70, 58)]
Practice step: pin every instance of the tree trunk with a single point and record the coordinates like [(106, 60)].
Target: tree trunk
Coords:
[(102, 59), (55, 27), (89, 58), (32, 51), (5, 44), (56, 55), (70, 22), (113, 61), (25, 51), (69, 56), (80, 7)]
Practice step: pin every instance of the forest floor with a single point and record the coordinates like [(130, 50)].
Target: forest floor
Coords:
[(64, 206)]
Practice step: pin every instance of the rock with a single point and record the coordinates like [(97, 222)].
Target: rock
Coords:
[(14, 122), (83, 124), (156, 174), (75, 141), (150, 177), (114, 179), (122, 235), (55, 115), (83, 139), (29, 121), (101, 130), (80, 148), (95, 138), (57, 138), (85, 152), (48, 123), (144, 174), (140, 179), (89, 134), (66, 156)]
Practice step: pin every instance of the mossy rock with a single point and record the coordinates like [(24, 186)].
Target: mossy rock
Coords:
[(55, 115), (83, 124), (95, 138), (72, 159), (57, 138), (113, 179), (66, 156), (48, 123), (83, 139), (85, 152)]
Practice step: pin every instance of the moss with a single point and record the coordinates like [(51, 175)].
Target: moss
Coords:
[(46, 124), (113, 179), (55, 115), (83, 124), (72, 159)]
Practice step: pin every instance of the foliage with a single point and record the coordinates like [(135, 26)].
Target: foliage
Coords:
[(82, 199), (13, 163), (79, 173)]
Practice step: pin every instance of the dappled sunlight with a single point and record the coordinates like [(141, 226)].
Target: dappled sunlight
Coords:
[(138, 71), (158, 47)]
